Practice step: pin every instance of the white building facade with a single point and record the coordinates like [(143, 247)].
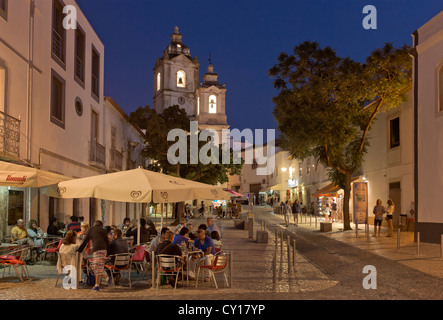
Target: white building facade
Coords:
[(428, 128), (53, 112)]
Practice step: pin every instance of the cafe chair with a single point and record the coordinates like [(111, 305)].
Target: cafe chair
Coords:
[(121, 262), (138, 258), (17, 260), (168, 265), (52, 247), (218, 265), (64, 260)]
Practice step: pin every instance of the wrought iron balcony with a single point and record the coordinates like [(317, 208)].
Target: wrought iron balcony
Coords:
[(9, 136), (97, 153), (116, 163)]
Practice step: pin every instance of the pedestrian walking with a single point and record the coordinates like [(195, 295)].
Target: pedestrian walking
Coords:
[(389, 213), (99, 240), (287, 211), (296, 209), (378, 211)]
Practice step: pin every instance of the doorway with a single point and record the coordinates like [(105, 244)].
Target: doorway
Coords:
[(395, 196)]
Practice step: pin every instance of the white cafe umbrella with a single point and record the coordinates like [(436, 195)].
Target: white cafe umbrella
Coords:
[(138, 186), (15, 175)]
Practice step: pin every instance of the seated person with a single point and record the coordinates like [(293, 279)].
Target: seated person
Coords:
[(157, 240), (145, 235), (183, 236), (180, 225), (36, 234), (216, 238), (69, 246), (213, 227), (19, 235), (125, 225), (206, 245), (168, 237), (54, 228), (191, 235), (167, 247), (118, 245), (74, 225)]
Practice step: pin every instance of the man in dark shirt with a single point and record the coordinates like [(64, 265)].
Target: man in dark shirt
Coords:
[(145, 235), (117, 246)]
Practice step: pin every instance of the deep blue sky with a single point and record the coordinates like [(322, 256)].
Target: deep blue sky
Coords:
[(244, 38)]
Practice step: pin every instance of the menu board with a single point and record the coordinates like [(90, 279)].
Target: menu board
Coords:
[(360, 200)]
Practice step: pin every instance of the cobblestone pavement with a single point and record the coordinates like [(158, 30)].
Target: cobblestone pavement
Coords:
[(328, 266)]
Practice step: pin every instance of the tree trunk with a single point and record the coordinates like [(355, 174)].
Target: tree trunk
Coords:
[(346, 200)]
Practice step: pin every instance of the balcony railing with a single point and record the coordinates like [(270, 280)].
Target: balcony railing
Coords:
[(9, 135), (94, 85), (116, 163), (97, 153), (57, 44), (79, 69)]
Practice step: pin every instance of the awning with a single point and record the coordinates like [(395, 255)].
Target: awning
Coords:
[(276, 187), (330, 190), (234, 193)]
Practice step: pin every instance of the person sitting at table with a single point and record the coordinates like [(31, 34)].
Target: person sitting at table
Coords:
[(19, 234), (206, 245), (213, 227), (216, 238), (74, 225), (117, 246), (191, 235), (172, 249), (151, 228), (183, 236), (167, 240), (81, 236), (54, 228), (145, 235), (157, 240), (180, 225), (69, 246), (125, 225), (36, 234)]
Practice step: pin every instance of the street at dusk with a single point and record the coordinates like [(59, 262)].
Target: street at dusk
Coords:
[(221, 158)]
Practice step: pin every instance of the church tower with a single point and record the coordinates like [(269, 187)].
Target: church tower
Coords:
[(176, 76), (211, 113)]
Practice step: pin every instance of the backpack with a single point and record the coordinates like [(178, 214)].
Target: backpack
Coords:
[(90, 279)]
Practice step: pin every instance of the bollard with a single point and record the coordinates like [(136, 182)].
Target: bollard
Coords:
[(418, 242), (310, 219), (293, 254), (288, 245), (315, 222), (441, 246), (274, 267), (398, 238), (281, 242), (276, 239)]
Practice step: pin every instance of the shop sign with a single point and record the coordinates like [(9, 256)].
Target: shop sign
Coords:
[(360, 200)]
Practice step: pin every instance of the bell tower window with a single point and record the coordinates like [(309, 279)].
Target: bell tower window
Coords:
[(158, 81), (181, 79), (212, 104)]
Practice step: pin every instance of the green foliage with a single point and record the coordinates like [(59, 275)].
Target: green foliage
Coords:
[(157, 127), (326, 104)]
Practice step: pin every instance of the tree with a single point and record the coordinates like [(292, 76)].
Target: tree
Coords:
[(157, 127), (326, 105)]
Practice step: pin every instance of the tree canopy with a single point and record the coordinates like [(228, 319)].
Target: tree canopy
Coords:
[(326, 104), (157, 127)]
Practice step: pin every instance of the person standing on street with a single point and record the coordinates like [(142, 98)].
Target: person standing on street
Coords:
[(378, 211), (389, 213), (287, 211), (99, 240)]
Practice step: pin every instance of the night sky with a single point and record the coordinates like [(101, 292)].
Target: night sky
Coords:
[(244, 38)]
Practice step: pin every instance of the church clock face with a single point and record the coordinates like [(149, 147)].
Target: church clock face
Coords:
[(181, 100)]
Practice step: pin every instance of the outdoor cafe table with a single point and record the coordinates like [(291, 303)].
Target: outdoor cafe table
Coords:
[(5, 247)]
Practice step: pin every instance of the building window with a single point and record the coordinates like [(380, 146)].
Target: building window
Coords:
[(15, 206), (95, 74), (58, 33), (440, 89), (57, 100), (159, 78), (78, 106), (300, 169), (212, 104), (4, 9), (394, 132), (181, 79), (79, 62)]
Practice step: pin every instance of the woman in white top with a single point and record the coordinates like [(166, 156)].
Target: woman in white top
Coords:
[(390, 211)]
